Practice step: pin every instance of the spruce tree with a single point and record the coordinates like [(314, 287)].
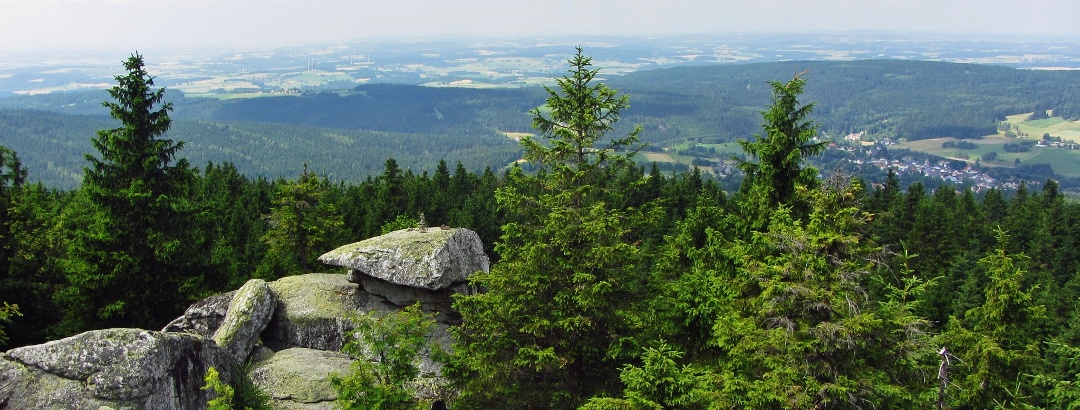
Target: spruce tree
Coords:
[(546, 332), (302, 225), (133, 265), (776, 169)]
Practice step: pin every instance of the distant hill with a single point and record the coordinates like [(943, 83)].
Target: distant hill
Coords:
[(350, 133), (51, 146), (391, 108), (909, 99)]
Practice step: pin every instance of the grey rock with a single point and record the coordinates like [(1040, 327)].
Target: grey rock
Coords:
[(246, 318), (313, 311), (438, 302), (299, 378), (115, 368), (432, 258), (203, 317)]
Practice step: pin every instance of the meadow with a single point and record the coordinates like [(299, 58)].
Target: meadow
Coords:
[(1064, 161)]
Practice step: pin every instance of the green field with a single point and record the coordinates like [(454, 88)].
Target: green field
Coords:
[(1055, 126), (723, 151), (1063, 161)]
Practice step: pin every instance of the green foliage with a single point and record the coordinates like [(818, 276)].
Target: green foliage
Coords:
[(302, 225), (798, 330), (660, 383), (245, 396), (1061, 385), (12, 177), (138, 260), (547, 331), (400, 222), (776, 168), (998, 341), (7, 311), (580, 114), (222, 391), (385, 350)]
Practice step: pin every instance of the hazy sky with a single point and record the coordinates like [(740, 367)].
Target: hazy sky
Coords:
[(170, 24)]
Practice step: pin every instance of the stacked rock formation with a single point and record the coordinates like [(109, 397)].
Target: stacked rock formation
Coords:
[(290, 331)]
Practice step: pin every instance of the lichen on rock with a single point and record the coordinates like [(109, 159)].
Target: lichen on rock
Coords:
[(432, 259), (121, 368), (248, 314), (300, 377), (313, 311), (203, 317)]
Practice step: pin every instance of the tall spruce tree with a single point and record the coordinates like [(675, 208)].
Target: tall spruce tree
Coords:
[(546, 332), (133, 264), (776, 168), (12, 176)]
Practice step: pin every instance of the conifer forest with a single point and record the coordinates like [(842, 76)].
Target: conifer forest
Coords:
[(613, 284)]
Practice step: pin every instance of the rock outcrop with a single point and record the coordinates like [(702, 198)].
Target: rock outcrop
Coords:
[(313, 311), (203, 317), (291, 330), (248, 314), (112, 368), (431, 258)]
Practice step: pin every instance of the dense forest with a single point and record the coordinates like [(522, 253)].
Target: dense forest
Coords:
[(613, 285)]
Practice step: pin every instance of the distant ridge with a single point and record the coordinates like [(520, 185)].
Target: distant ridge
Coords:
[(349, 134)]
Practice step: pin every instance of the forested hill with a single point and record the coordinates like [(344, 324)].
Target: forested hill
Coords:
[(909, 99), (51, 146), (393, 108), (350, 133)]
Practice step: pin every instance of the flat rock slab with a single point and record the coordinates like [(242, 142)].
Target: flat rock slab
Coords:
[(432, 258)]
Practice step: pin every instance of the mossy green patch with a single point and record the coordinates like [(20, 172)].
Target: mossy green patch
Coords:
[(316, 294)]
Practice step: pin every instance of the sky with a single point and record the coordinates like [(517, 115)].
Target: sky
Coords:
[(41, 25)]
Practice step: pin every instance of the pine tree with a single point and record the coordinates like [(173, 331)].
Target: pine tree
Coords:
[(556, 306), (999, 342), (799, 330), (776, 167), (134, 265), (12, 176), (302, 225)]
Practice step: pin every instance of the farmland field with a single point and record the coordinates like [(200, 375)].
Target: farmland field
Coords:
[(1055, 126), (1064, 162)]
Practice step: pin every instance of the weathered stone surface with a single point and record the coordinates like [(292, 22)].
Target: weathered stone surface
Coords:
[(299, 378), (433, 258), (438, 302), (203, 317), (118, 368), (313, 311), (248, 314)]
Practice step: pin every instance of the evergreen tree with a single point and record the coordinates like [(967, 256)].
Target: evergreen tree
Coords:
[(302, 225), (547, 331), (134, 264), (12, 176), (797, 329), (33, 271), (776, 167), (998, 342), (234, 206)]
